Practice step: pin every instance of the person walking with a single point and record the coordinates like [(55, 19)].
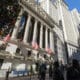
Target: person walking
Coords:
[(50, 70), (42, 71), (73, 72), (7, 74), (57, 74)]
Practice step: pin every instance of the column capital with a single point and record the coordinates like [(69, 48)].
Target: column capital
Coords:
[(29, 15), (41, 26), (36, 20), (46, 28)]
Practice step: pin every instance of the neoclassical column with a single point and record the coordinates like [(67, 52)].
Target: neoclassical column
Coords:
[(26, 33), (51, 41), (41, 36), (35, 31), (15, 31), (46, 38)]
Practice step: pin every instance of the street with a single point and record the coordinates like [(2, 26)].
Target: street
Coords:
[(35, 77)]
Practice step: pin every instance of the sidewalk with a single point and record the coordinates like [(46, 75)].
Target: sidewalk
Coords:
[(33, 77)]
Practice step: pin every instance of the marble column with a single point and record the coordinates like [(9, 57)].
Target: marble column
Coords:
[(26, 33), (46, 38), (17, 24), (35, 31), (51, 41), (41, 36)]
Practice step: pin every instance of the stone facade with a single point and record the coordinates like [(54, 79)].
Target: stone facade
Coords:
[(70, 21), (52, 32), (33, 40)]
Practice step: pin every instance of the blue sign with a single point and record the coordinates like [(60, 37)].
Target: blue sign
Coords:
[(15, 72)]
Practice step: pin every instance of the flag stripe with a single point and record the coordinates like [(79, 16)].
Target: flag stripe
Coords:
[(35, 45), (7, 38), (48, 50)]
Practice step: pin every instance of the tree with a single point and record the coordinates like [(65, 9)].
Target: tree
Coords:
[(9, 10)]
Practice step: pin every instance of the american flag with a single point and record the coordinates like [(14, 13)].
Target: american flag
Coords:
[(48, 50), (7, 38), (35, 45)]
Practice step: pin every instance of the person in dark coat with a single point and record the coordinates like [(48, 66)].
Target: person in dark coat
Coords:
[(50, 70), (73, 72), (42, 71), (7, 74), (57, 74), (62, 67)]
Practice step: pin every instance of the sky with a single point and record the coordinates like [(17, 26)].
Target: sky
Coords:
[(73, 4)]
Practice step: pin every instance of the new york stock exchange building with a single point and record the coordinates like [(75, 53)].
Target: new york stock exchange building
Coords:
[(31, 40)]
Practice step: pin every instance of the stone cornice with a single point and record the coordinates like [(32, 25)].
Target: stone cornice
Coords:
[(39, 12), (72, 43)]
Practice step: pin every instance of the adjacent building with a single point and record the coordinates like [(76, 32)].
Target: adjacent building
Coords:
[(69, 21)]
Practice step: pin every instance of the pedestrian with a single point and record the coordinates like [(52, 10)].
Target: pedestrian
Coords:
[(50, 70), (42, 71), (62, 67), (73, 72), (7, 74), (57, 74)]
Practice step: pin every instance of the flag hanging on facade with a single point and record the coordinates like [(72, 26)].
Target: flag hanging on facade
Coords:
[(35, 45), (48, 49), (7, 38)]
